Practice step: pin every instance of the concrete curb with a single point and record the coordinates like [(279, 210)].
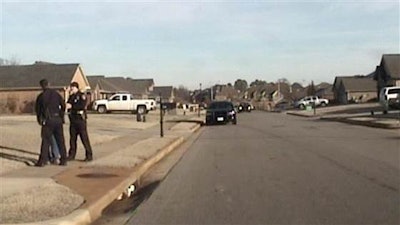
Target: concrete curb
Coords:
[(349, 121), (93, 211), (195, 128), (363, 123), (193, 120), (302, 115), (96, 208)]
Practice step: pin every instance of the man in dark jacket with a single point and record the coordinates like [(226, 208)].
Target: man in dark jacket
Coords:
[(50, 108), (76, 106)]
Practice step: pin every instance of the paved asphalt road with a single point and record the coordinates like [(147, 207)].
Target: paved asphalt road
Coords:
[(280, 169)]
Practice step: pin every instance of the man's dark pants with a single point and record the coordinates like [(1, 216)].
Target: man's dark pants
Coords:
[(78, 127), (52, 127)]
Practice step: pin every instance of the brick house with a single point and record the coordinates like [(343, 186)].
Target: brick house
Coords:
[(388, 72), (354, 89), (19, 84), (100, 88)]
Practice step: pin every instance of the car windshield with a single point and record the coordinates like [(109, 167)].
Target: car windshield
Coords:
[(221, 105)]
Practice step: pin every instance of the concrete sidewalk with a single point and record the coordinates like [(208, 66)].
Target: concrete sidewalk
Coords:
[(388, 122), (355, 116), (77, 194)]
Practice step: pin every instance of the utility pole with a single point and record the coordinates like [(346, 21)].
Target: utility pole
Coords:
[(199, 102), (212, 92), (161, 118)]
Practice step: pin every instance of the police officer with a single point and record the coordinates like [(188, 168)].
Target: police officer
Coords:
[(50, 107), (76, 106)]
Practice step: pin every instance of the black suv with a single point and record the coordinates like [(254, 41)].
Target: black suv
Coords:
[(220, 112)]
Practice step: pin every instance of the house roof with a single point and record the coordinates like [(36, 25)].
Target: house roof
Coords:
[(391, 64), (323, 85), (28, 76), (141, 86), (94, 80), (103, 84), (251, 92), (133, 86), (358, 83), (296, 86), (227, 91), (266, 89), (338, 80), (166, 91), (121, 83)]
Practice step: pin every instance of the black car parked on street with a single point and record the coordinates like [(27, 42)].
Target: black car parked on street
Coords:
[(221, 112)]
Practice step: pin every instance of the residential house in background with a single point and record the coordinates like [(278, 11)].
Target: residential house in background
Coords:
[(167, 93), (120, 82), (19, 84), (388, 72), (225, 92), (267, 95), (251, 93), (298, 91), (269, 92), (354, 89), (101, 88), (141, 88), (325, 90)]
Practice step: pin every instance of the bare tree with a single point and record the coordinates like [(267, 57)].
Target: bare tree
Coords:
[(240, 85), (9, 62), (182, 94), (311, 89), (258, 83)]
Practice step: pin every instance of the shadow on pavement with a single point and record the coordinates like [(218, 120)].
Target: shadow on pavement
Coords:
[(29, 161), (26, 160), (18, 150)]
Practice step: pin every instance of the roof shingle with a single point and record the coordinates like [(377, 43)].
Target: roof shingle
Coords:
[(359, 84), (28, 76)]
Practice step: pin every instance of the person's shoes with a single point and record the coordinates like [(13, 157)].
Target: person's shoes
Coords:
[(63, 163), (88, 159), (40, 164), (71, 158), (55, 161)]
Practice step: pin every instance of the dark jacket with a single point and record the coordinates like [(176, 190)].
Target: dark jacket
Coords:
[(49, 105)]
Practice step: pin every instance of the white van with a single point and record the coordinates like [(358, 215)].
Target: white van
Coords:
[(388, 97)]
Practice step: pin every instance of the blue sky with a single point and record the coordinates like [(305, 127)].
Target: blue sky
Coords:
[(192, 42)]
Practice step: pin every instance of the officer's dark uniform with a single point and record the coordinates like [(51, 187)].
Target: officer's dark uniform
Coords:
[(77, 117), (50, 107)]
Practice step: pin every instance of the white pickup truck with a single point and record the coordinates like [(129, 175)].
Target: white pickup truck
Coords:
[(310, 100), (124, 102)]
